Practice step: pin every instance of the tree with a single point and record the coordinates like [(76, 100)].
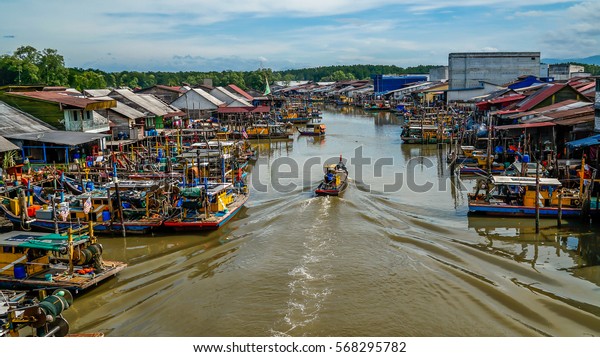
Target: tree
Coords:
[(52, 68), (89, 80), (28, 54)]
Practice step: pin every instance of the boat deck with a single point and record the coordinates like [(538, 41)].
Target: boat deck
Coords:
[(61, 278)]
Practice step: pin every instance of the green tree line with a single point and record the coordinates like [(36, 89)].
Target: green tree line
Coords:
[(29, 66)]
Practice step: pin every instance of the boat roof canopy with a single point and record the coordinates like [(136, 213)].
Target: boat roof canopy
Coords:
[(524, 181), (44, 241)]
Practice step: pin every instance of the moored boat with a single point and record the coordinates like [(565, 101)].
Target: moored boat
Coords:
[(516, 196), (313, 129), (335, 180), (30, 260), (207, 207)]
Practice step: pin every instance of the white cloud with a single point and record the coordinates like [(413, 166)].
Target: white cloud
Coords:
[(309, 31)]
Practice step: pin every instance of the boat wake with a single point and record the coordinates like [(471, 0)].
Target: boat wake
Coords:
[(308, 287)]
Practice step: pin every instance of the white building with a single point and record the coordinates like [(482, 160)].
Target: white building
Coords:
[(467, 70)]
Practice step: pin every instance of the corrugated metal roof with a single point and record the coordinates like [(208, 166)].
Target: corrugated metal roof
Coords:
[(240, 91), (510, 98), (524, 125), (175, 89), (229, 110), (589, 118), (209, 97), (147, 102), (125, 110), (97, 92), (539, 96), (66, 99), (6, 145), (229, 98), (14, 121), (68, 138)]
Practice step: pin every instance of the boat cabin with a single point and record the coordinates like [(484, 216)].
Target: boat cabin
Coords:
[(521, 191)]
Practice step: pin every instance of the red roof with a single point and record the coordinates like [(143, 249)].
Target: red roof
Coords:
[(540, 96), (510, 98), (230, 110), (171, 88), (524, 125), (241, 92), (508, 111)]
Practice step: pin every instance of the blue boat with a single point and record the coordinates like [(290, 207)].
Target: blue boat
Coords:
[(516, 196)]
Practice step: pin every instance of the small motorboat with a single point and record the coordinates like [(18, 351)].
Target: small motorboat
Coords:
[(335, 180)]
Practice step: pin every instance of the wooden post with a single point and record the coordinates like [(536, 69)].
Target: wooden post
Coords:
[(582, 174), (110, 209), (489, 145), (71, 265), (120, 208), (559, 215), (537, 200)]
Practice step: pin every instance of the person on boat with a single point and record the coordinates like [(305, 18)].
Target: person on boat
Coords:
[(329, 178)]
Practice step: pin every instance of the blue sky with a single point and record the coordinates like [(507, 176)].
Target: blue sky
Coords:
[(236, 35)]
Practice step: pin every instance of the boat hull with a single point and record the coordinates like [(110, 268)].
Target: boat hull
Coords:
[(201, 224), (520, 211), (336, 191)]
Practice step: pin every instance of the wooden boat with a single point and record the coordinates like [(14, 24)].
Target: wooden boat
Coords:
[(208, 207), (35, 217), (335, 180), (516, 196), (293, 115), (264, 130), (424, 134), (472, 169), (141, 210), (313, 129), (377, 105), (31, 260)]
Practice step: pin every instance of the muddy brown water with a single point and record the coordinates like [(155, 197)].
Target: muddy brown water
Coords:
[(391, 257)]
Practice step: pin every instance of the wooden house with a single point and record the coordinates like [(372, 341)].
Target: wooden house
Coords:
[(197, 103), (168, 94), (156, 112), (62, 110)]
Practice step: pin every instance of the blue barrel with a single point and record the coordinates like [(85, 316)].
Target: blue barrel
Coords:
[(89, 186), (105, 216), (525, 158), (20, 271)]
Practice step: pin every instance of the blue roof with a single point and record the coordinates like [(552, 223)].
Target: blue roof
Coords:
[(585, 142)]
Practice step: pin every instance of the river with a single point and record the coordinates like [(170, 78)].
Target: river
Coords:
[(396, 255)]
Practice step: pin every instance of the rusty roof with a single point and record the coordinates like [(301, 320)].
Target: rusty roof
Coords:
[(66, 100), (240, 91)]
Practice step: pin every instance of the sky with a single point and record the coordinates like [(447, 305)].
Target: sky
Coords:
[(245, 35)]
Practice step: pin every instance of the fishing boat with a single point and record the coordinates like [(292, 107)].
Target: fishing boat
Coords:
[(45, 218), (471, 169), (335, 180), (264, 130), (377, 105), (293, 115), (208, 206), (72, 261), (313, 128), (516, 196), (424, 134)]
